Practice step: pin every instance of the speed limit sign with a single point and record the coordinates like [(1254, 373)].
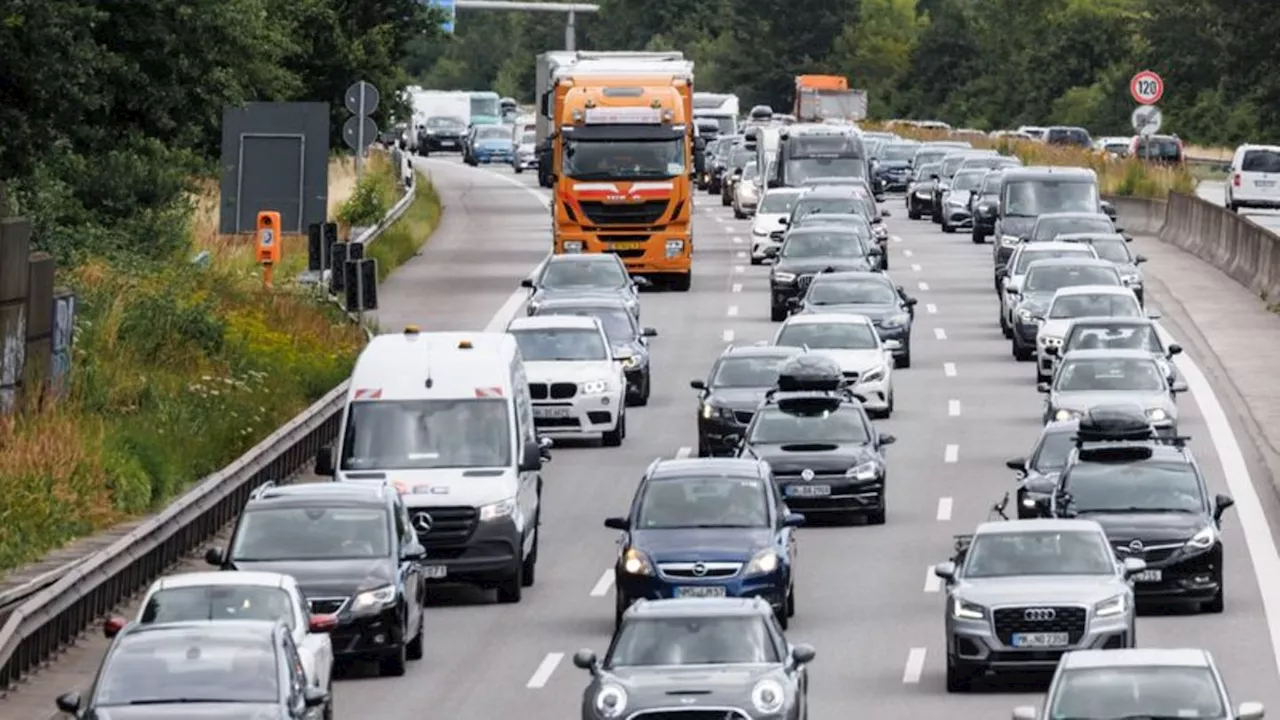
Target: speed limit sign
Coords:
[(1147, 88)]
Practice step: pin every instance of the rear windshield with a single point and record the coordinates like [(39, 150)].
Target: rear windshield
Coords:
[(1026, 258), (1261, 161), (1159, 149)]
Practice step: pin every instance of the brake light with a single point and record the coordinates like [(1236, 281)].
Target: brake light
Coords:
[(1235, 180)]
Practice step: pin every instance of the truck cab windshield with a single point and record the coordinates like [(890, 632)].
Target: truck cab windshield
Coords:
[(614, 159)]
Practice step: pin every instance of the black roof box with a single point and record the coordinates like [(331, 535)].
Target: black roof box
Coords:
[(1115, 423), (813, 373)]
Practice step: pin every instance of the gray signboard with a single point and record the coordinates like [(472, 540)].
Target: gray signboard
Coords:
[(275, 156)]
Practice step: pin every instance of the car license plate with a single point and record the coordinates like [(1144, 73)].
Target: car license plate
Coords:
[(551, 412), (1040, 640), (435, 572), (700, 591), (447, 143), (1265, 183), (1148, 576), (808, 490), (626, 246)]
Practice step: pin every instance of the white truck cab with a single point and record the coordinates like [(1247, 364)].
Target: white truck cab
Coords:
[(445, 418)]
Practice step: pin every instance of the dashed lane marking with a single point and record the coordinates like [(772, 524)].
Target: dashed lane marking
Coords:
[(907, 253), (603, 585), (737, 287), (742, 254), (739, 269), (733, 311), (684, 452), (924, 286), (944, 509), (728, 336), (915, 267), (931, 308), (915, 666), (544, 671), (932, 583), (951, 454), (940, 334), (953, 408), (737, 239), (949, 369)]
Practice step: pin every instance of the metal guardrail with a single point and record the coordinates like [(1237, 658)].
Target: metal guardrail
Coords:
[(50, 611)]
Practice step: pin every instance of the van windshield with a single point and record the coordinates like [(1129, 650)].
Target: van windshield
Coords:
[(1033, 198), (426, 434)]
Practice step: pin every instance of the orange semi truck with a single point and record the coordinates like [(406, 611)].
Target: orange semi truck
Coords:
[(820, 98), (622, 161)]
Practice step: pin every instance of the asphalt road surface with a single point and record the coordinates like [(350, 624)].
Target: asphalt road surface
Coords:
[(865, 596), (1213, 191)]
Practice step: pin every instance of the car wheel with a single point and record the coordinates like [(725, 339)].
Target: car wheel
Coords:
[(738, 214), (393, 663), (529, 573), (613, 438), (757, 261), (876, 518), (958, 679), (913, 213), (777, 314), (791, 602), (904, 361), (725, 201), (1004, 325), (511, 590), (978, 238), (414, 649), (517, 169), (620, 605), (948, 227), (682, 283)]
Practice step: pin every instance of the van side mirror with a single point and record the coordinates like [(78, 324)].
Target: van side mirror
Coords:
[(527, 283), (531, 457), (214, 556), (324, 461), (1175, 349), (1042, 387), (322, 623)]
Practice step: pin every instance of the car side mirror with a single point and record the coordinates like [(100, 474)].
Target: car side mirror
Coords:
[(617, 523), (1250, 711), (773, 184), (113, 626), (1018, 464), (698, 385), (527, 283), (649, 332), (69, 703), (888, 439), (793, 520), (324, 461), (531, 457), (1139, 259), (1024, 712), (1220, 504), (945, 571), (875, 250), (1178, 387), (803, 654), (1175, 349), (784, 221), (586, 660), (214, 556), (1133, 566), (322, 623), (1108, 208), (413, 551), (911, 302), (1013, 287), (314, 697), (1042, 387), (933, 176)]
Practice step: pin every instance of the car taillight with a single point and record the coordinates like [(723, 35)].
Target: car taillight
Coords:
[(1235, 180)]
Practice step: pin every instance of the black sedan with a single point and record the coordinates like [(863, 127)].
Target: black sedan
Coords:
[(728, 398), (871, 294), (807, 251), (575, 275)]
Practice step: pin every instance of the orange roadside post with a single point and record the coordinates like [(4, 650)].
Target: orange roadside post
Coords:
[(268, 239)]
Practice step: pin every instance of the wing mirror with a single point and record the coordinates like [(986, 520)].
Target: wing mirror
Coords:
[(531, 457), (1139, 259), (527, 283), (586, 660), (803, 654), (793, 520), (784, 221), (1133, 566), (1250, 711), (911, 302), (945, 571), (1175, 349), (698, 385), (1220, 504), (1109, 209), (413, 551), (1042, 387), (1154, 314), (884, 212), (771, 252), (649, 332), (113, 626), (322, 623), (214, 556), (69, 703), (641, 281), (888, 439), (1018, 464), (1025, 712), (314, 696), (617, 523), (892, 345), (1178, 387)]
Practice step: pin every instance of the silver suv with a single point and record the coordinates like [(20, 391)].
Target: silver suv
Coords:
[(1020, 593)]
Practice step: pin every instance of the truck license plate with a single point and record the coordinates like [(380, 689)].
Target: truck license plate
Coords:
[(808, 490), (447, 143), (1040, 640), (551, 412), (435, 572), (1151, 576), (626, 246), (700, 591)]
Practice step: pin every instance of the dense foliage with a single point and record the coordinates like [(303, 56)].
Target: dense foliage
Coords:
[(974, 63)]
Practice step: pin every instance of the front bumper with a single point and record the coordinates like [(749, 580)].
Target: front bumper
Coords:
[(578, 416), (525, 162), (837, 494), (901, 333), (1024, 333), (1045, 361), (874, 395), (359, 636), (1184, 576), (759, 243), (491, 156), (958, 216), (771, 586), (437, 143), (976, 645), (668, 251), (920, 201), (894, 182), (463, 549)]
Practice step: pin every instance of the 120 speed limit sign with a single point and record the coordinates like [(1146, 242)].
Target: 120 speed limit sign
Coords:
[(1147, 88)]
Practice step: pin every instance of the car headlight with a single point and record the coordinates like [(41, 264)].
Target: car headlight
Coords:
[(768, 697), (1132, 279), (875, 375), (1009, 240), (1049, 340), (595, 387), (674, 248), (711, 411), (1157, 415), (784, 277), (880, 231), (611, 700), (572, 246), (1204, 539), (757, 232), (498, 510), (896, 321), (1062, 415), (866, 471), (373, 600), (1026, 315), (1111, 607), (965, 610), (628, 361), (635, 562), (764, 562)]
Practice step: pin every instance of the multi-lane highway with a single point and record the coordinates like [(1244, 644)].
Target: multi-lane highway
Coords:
[(866, 599)]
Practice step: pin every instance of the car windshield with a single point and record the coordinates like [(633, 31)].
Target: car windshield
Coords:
[(845, 425), (1114, 337), (1010, 554), (493, 132), (1189, 693), (1032, 198), (803, 169), (778, 203), (1052, 279), (617, 322), (155, 668), (1261, 161), (615, 159), (1140, 486), (1158, 148), (991, 183), (704, 502), (445, 123), (1102, 375), (1053, 452), (425, 434), (1049, 228), (699, 640), (528, 138), (951, 164), (1095, 305), (930, 158), (967, 181), (898, 152), (839, 206), (577, 274), (849, 221), (1114, 250), (1026, 257), (561, 345), (313, 532), (829, 336), (219, 602), (852, 292), (748, 372), (740, 157), (823, 244)]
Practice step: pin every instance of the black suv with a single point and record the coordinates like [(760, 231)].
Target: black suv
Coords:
[(1152, 500), (826, 455), (354, 554)]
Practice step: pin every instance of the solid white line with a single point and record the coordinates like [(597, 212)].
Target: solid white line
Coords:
[(728, 336), (915, 267), (733, 311), (739, 269), (932, 583), (931, 308), (953, 408), (684, 452), (737, 287), (924, 286), (944, 509), (949, 369), (915, 666), (545, 668), (737, 240), (951, 454), (907, 253), (742, 254), (602, 586), (940, 333)]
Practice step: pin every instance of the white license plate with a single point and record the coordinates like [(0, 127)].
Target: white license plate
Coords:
[(809, 490), (435, 572), (447, 143), (1149, 576), (1264, 183), (1040, 640), (700, 591), (551, 412)]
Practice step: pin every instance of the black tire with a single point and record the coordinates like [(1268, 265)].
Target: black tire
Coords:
[(904, 361), (517, 169), (784, 620), (912, 213), (682, 283), (620, 606), (948, 228), (725, 201), (511, 589), (528, 573), (777, 314), (959, 680), (791, 601), (757, 261), (414, 649), (614, 437), (393, 663), (739, 215), (978, 238), (876, 518), (704, 450)]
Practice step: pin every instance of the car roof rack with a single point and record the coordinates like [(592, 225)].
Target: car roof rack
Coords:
[(1120, 433), (262, 489)]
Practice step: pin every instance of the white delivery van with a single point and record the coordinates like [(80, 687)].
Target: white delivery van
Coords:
[(446, 419), (1254, 180)]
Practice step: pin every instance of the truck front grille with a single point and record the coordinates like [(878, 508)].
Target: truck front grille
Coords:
[(642, 213)]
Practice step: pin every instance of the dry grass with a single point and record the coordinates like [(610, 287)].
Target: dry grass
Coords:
[(1209, 153)]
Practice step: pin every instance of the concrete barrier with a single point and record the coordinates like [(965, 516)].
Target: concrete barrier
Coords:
[(1249, 253)]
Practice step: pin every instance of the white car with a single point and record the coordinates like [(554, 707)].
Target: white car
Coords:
[(853, 343), (241, 595), (767, 228), (746, 192), (1254, 180), (1080, 301), (1023, 255), (577, 385)]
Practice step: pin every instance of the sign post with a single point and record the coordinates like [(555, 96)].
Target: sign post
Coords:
[(359, 131)]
